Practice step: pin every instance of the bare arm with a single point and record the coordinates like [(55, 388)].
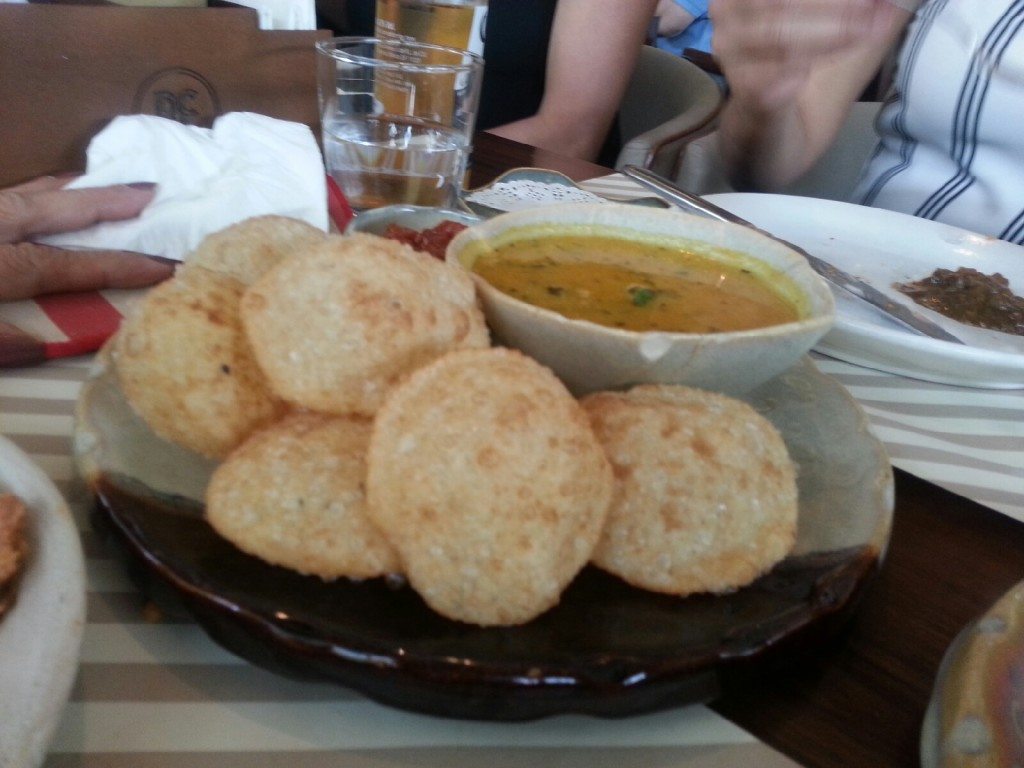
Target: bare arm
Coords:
[(672, 18), (794, 69), (591, 55)]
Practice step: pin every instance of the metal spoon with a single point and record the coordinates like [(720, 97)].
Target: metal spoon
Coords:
[(902, 314)]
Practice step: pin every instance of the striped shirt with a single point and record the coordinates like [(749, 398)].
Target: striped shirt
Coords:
[(951, 133)]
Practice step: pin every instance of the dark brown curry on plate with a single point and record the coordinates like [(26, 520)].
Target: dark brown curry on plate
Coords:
[(970, 296)]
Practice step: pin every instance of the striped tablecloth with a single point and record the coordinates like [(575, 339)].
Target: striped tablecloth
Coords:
[(969, 441), (160, 694)]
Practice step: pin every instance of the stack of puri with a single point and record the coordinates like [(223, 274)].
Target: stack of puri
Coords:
[(366, 427)]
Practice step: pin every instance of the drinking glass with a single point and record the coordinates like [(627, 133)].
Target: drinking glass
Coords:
[(456, 23), (397, 119)]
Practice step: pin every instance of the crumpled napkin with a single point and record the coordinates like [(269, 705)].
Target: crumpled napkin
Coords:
[(207, 178), (283, 14)]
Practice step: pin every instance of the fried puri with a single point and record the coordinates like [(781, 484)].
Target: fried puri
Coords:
[(186, 368), (293, 495), (484, 474), (248, 249), (336, 325), (705, 492)]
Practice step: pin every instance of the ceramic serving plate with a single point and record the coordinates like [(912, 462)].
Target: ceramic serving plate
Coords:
[(40, 636), (974, 715), (607, 649)]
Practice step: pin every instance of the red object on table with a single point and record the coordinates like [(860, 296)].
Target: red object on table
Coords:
[(79, 322), (87, 319), (337, 205)]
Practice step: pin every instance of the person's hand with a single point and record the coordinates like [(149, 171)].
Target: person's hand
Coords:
[(42, 206), (767, 48)]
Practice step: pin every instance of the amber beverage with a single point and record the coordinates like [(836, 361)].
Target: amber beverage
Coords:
[(451, 23)]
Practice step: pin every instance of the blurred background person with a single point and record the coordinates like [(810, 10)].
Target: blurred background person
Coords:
[(684, 28), (683, 25), (949, 144), (555, 70)]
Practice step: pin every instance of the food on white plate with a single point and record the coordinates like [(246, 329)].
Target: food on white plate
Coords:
[(485, 475), (186, 367), (336, 325), (293, 495), (13, 548), (248, 249), (971, 297), (705, 491)]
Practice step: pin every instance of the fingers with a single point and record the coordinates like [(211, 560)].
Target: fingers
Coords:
[(44, 183), (42, 207), (29, 269)]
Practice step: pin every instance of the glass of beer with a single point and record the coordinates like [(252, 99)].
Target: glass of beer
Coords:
[(397, 119), (454, 23)]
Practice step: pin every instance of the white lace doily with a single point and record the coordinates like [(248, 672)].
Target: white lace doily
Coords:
[(519, 195)]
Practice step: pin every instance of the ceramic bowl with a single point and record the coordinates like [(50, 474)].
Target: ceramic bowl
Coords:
[(974, 715), (419, 217), (590, 357)]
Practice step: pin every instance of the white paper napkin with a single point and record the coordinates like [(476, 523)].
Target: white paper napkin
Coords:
[(207, 178), (283, 14)]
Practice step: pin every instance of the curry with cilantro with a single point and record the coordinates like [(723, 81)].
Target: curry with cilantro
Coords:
[(639, 286)]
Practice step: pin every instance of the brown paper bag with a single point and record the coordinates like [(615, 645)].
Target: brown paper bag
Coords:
[(66, 70)]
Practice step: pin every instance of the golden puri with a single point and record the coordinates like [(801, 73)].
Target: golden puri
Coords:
[(185, 365), (334, 326), (484, 474), (293, 495), (705, 492)]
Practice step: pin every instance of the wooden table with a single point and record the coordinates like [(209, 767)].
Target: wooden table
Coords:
[(860, 701)]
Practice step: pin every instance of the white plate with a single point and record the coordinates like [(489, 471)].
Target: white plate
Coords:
[(41, 635), (883, 247)]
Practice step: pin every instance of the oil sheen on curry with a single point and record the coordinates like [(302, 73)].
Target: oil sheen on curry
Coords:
[(639, 286)]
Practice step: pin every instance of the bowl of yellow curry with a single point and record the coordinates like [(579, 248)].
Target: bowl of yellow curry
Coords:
[(611, 295)]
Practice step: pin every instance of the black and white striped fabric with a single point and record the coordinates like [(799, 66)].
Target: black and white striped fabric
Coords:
[(952, 144)]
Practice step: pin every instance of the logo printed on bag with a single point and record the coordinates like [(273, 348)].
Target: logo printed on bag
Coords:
[(178, 94)]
